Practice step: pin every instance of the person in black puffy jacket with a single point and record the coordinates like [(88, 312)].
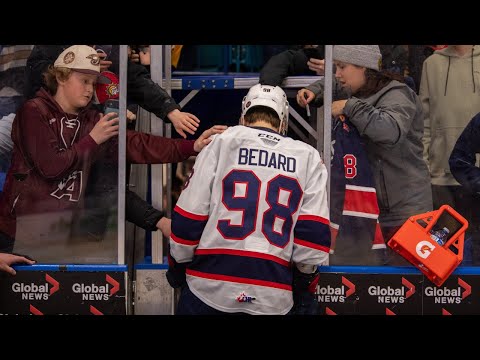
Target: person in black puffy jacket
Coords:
[(462, 163), (305, 61)]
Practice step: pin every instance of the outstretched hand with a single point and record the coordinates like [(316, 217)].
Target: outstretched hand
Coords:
[(183, 121), (6, 260), (165, 226), (205, 138), (304, 97), (316, 65)]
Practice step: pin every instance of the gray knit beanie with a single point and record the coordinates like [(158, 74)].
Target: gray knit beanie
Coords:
[(368, 56)]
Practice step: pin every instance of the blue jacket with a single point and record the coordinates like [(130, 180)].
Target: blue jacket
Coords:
[(462, 159)]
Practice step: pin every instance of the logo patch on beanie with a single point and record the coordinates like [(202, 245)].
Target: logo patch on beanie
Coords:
[(69, 57), (94, 59)]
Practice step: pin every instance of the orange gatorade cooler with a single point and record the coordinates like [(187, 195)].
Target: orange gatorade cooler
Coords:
[(433, 242)]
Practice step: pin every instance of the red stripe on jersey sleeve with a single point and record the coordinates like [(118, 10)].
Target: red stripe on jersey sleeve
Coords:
[(314, 218), (190, 215), (311, 245), (183, 241)]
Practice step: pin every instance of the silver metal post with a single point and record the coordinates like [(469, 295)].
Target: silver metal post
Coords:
[(327, 112), (122, 146), (156, 72)]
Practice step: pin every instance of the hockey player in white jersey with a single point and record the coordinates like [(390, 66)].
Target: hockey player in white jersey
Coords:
[(251, 225)]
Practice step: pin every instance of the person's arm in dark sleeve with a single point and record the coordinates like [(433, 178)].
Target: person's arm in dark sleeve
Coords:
[(146, 93), (463, 157), (145, 148), (278, 68), (140, 212), (114, 57)]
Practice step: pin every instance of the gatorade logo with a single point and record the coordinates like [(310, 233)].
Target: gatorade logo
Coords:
[(424, 249)]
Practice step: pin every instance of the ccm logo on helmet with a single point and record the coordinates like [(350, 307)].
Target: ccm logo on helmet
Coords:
[(424, 249)]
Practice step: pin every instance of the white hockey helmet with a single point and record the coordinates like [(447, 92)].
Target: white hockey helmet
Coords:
[(270, 96)]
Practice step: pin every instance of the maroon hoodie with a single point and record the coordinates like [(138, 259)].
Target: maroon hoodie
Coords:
[(53, 154)]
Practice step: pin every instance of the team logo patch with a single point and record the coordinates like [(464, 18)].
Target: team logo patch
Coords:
[(69, 57), (245, 298), (112, 89), (94, 59), (247, 105)]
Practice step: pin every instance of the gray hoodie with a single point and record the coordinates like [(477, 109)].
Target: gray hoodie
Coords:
[(391, 122), (450, 95)]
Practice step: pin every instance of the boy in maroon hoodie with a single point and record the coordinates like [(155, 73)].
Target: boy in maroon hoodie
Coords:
[(57, 138)]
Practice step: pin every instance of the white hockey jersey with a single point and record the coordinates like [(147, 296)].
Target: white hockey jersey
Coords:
[(256, 203)]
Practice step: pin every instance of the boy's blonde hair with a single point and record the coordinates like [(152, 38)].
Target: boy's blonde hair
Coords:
[(50, 77)]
